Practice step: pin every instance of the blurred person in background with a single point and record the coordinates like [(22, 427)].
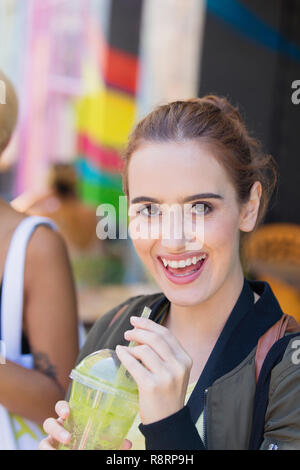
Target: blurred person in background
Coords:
[(38, 313), (75, 220), (198, 358), (93, 261)]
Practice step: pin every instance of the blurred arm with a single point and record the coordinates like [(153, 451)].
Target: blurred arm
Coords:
[(50, 316)]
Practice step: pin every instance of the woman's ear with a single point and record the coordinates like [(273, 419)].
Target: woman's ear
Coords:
[(250, 209)]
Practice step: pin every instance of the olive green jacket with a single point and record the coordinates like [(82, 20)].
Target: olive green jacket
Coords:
[(227, 386)]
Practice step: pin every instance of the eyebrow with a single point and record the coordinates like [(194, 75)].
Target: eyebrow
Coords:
[(187, 199)]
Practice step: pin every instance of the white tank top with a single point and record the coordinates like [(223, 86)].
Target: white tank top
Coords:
[(11, 322)]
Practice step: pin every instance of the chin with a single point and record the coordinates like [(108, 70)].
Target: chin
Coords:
[(187, 297)]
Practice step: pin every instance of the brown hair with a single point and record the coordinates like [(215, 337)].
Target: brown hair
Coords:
[(62, 179), (8, 112), (213, 120)]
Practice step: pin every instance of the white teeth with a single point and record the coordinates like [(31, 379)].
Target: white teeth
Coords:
[(183, 263)]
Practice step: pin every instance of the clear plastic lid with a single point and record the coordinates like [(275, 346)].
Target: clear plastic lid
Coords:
[(101, 370)]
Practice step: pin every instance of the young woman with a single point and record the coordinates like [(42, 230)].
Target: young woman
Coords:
[(37, 313), (195, 359)]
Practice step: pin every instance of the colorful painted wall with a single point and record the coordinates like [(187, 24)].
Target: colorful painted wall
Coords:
[(251, 54), (107, 113), (85, 70)]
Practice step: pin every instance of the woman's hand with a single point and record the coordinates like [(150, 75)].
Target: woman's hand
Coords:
[(57, 433), (54, 428), (162, 376)]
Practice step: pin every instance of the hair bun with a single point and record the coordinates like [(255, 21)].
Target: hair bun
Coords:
[(221, 103)]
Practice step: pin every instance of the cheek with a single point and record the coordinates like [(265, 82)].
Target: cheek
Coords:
[(221, 231), (143, 249), (142, 244)]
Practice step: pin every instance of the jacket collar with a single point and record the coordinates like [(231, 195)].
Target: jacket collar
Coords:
[(244, 326)]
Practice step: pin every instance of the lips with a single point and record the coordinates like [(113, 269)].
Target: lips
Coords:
[(183, 275)]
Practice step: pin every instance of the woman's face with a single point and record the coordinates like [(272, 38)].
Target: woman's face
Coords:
[(184, 178)]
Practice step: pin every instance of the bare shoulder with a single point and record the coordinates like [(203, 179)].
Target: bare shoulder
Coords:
[(46, 255), (45, 243)]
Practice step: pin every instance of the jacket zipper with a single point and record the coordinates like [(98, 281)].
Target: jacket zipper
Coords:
[(273, 447), (205, 419)]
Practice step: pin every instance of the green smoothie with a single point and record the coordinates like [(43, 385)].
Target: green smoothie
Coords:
[(103, 403)]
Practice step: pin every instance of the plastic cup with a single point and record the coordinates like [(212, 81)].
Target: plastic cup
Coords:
[(103, 403)]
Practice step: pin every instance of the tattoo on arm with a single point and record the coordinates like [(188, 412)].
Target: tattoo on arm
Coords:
[(43, 364)]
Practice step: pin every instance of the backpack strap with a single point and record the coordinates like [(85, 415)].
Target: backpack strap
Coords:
[(269, 352), (261, 398), (286, 324)]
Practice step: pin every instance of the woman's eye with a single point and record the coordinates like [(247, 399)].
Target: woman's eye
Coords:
[(150, 211), (199, 208)]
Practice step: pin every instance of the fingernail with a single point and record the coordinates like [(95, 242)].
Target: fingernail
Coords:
[(63, 412), (134, 319), (65, 436)]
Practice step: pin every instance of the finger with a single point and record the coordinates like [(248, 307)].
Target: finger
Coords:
[(62, 409), (126, 445), (137, 370), (149, 358), (47, 444), (157, 342), (56, 431), (149, 325)]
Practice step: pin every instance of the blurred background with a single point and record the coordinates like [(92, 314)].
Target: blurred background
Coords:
[(86, 70)]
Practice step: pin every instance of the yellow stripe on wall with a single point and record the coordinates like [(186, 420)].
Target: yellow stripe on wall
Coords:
[(106, 117)]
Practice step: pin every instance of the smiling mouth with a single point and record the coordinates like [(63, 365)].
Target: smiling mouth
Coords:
[(183, 268)]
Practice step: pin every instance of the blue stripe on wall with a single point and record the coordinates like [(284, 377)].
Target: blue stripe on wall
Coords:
[(251, 26), (91, 174)]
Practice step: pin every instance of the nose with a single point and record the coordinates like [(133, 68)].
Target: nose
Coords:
[(173, 235), (173, 245), (180, 233)]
